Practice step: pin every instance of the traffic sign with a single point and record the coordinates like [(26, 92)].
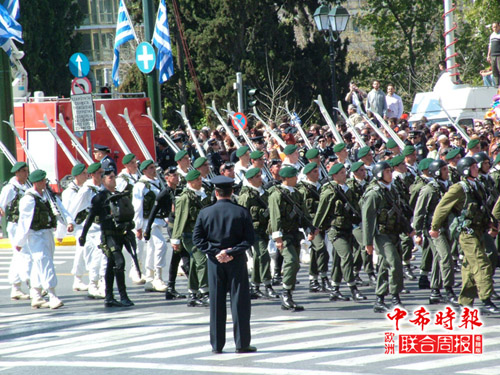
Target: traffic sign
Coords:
[(81, 86), (145, 57), (79, 65), (239, 121), (83, 112)]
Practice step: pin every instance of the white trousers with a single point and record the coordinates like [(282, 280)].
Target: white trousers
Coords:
[(41, 245), (156, 250), (20, 264)]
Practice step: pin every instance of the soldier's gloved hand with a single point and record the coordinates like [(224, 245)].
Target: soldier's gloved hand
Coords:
[(147, 235), (81, 241)]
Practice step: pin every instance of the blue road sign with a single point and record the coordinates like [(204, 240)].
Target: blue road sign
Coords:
[(79, 65), (145, 57)]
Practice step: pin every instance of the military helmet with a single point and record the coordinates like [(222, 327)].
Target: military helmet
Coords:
[(378, 169), (435, 167), (480, 157), (464, 164)]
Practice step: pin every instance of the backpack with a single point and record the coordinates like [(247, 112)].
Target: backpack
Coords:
[(121, 207)]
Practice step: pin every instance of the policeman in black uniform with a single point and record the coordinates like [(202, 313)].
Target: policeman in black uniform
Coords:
[(101, 154), (224, 232), (114, 235)]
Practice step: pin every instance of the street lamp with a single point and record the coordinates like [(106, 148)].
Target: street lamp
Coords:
[(331, 22)]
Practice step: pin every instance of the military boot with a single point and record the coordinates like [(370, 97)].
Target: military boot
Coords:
[(193, 301), (171, 293), (359, 281), (451, 297), (423, 282), (373, 279), (408, 273), (287, 302), (17, 294), (277, 279), (380, 306), (494, 296), (396, 302), (489, 307), (122, 289), (204, 299), (325, 284), (356, 294), (109, 298), (270, 293), (436, 297), (314, 286), (336, 295)]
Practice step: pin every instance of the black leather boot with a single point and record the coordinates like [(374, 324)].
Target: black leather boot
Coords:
[(423, 282), (193, 300), (380, 306), (204, 299), (451, 297), (287, 302), (314, 286), (120, 283), (436, 297), (171, 293), (336, 295), (489, 307), (356, 294), (270, 293), (396, 302), (408, 273), (325, 284)]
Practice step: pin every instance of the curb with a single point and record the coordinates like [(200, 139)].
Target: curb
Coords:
[(67, 241)]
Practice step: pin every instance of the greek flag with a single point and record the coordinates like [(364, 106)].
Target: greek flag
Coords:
[(124, 33), (9, 27), (161, 39)]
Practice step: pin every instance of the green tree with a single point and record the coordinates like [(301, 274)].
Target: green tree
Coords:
[(408, 43), (261, 39), (49, 41)]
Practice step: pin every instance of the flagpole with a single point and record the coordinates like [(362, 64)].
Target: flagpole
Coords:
[(152, 78)]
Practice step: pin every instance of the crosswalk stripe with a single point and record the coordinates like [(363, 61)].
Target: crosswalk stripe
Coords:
[(446, 362)]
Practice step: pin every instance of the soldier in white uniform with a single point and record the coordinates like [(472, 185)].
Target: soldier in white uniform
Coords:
[(20, 265), (35, 229), (143, 198), (94, 256)]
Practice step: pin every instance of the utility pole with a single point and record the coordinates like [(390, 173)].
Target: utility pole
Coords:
[(152, 78), (238, 86), (6, 108)]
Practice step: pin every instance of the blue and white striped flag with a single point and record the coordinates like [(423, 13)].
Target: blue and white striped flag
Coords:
[(161, 39), (9, 27), (124, 32)]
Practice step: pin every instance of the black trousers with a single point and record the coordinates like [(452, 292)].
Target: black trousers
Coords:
[(229, 277), (115, 267)]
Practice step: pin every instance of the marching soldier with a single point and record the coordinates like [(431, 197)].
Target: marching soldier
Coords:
[(468, 197), (187, 207), (116, 229), (183, 164), (257, 160), (310, 188), (442, 265), (452, 158), (365, 155), (291, 157), (81, 203), (255, 199), (20, 265), (143, 198), (287, 214), (339, 212), (243, 163), (35, 229), (383, 221), (340, 151)]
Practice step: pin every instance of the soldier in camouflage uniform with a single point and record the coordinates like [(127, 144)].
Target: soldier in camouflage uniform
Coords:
[(187, 207), (469, 198), (442, 265), (309, 187), (287, 214), (382, 222), (339, 212), (255, 199), (12, 192)]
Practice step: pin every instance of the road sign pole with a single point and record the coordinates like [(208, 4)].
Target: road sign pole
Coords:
[(152, 78)]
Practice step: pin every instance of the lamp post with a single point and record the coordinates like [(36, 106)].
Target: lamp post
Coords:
[(331, 22)]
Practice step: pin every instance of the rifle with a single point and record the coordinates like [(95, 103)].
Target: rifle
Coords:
[(344, 199), (328, 119), (398, 211), (59, 141), (79, 148), (162, 132), (296, 211), (131, 246)]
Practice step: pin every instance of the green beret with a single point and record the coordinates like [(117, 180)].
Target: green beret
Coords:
[(391, 143), (396, 160), (251, 173), (408, 150), (452, 153), (339, 147), (473, 143), (94, 167), (288, 172), (312, 153), (497, 159), (363, 151), (127, 158), (180, 155), (145, 164), (242, 151), (336, 168), (199, 162), (256, 154), (19, 165), (290, 149), (424, 164), (193, 174), (356, 166), (37, 175), (309, 167), (77, 169)]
